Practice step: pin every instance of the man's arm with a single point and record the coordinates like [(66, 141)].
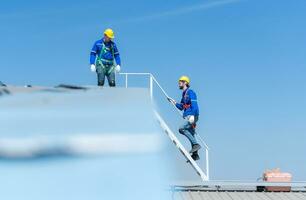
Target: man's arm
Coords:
[(93, 54), (117, 55), (180, 105), (193, 101)]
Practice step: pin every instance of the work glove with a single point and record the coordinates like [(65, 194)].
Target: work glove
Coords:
[(171, 100), (190, 119), (118, 68), (93, 68)]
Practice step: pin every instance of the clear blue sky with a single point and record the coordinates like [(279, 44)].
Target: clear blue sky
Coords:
[(246, 58)]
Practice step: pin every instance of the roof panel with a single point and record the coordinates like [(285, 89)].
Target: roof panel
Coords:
[(248, 195), (297, 195), (237, 195), (261, 196), (195, 195)]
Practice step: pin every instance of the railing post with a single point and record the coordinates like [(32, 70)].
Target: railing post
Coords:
[(126, 80), (151, 86), (207, 163)]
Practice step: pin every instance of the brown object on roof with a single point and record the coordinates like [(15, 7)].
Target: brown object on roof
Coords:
[(275, 175)]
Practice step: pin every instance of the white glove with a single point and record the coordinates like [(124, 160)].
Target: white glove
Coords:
[(93, 68), (171, 100), (118, 68), (190, 119)]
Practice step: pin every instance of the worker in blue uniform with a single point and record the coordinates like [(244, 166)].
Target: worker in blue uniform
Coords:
[(105, 59), (189, 106)]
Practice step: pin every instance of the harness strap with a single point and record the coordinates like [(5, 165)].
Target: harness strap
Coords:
[(102, 51), (186, 106), (107, 61), (108, 69)]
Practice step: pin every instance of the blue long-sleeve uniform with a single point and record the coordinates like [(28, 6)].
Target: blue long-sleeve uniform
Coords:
[(189, 103), (109, 52)]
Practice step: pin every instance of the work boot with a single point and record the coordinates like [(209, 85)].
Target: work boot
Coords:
[(195, 148), (195, 156)]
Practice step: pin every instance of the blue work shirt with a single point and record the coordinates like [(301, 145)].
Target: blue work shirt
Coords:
[(108, 55), (189, 103)]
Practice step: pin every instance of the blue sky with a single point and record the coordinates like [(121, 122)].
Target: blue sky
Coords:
[(246, 59)]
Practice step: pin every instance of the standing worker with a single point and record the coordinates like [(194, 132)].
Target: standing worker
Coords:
[(105, 59), (190, 109)]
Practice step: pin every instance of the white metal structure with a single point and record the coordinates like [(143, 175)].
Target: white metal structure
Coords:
[(204, 174)]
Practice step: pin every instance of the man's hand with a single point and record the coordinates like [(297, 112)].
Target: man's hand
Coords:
[(171, 100), (93, 68), (118, 68)]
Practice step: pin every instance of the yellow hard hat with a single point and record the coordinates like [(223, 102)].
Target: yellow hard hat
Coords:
[(185, 78), (109, 33)]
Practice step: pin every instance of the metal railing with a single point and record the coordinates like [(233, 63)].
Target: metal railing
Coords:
[(152, 81)]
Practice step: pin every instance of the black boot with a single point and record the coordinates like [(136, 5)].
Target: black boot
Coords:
[(195, 156), (195, 148)]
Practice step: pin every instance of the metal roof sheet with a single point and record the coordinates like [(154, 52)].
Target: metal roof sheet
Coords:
[(237, 195), (237, 190)]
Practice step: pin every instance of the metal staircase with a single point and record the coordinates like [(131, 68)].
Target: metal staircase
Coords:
[(203, 173)]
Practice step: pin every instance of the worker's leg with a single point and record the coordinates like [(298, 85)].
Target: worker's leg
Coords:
[(185, 130), (100, 75), (189, 131), (111, 77), (196, 147), (191, 128)]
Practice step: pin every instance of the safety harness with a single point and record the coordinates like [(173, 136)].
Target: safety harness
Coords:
[(186, 106), (107, 65)]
